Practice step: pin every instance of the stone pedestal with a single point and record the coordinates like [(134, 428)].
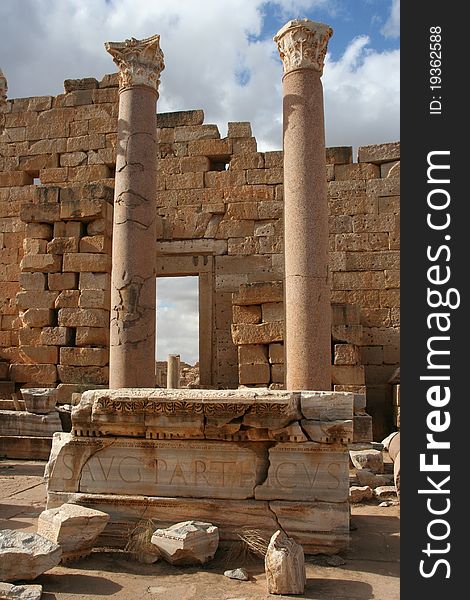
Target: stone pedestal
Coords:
[(302, 46), (133, 280)]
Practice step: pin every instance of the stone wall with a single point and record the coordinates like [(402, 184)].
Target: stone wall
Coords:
[(220, 206)]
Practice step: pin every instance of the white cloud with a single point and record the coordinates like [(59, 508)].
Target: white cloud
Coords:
[(391, 28)]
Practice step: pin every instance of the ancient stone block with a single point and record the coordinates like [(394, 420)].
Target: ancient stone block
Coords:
[(346, 354), (73, 527), (72, 374), (356, 171), (26, 555), (308, 472), (180, 118), (259, 293), (40, 374), (40, 401), (326, 406), (92, 336), (62, 281), (187, 543), (253, 354), (276, 353), (39, 230), (215, 149), (246, 314), (254, 373), (272, 311), (24, 424), (83, 357), (329, 432), (8, 591), (83, 317), (339, 155), (367, 459), (94, 281), (347, 374), (379, 153), (42, 263), (36, 299), (264, 333), (285, 565), (60, 245), (94, 299), (39, 354), (37, 317), (33, 281), (56, 336), (362, 428), (87, 262), (67, 299)]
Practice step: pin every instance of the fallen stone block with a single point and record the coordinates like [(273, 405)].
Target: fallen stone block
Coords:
[(366, 477), (25, 556), (360, 494), (187, 543), (367, 459), (385, 492), (285, 565), (39, 401), (9, 591), (73, 527)]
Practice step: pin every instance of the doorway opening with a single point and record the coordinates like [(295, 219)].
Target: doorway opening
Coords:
[(178, 327)]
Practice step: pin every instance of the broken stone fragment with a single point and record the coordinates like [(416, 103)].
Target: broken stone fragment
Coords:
[(239, 574), (385, 492), (8, 591), (366, 477), (360, 494), (284, 565), (187, 543), (75, 528), (368, 459), (40, 401), (26, 555)]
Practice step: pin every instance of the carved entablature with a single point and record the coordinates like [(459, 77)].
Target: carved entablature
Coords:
[(140, 62), (237, 415), (302, 44)]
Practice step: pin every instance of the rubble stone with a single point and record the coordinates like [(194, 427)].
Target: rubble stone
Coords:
[(187, 543), (24, 556), (360, 493), (9, 591), (368, 459), (73, 527)]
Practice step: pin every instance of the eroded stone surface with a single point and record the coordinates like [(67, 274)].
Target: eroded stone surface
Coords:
[(307, 472), (74, 528), (368, 459), (26, 555), (9, 591), (285, 565), (360, 493), (39, 401), (187, 543)]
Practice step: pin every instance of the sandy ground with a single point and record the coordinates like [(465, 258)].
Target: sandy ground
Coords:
[(370, 569)]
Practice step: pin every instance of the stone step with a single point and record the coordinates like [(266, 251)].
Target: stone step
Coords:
[(10, 405), (25, 447)]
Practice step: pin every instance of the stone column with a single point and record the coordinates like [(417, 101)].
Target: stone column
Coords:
[(133, 278), (302, 46), (3, 99), (173, 372)]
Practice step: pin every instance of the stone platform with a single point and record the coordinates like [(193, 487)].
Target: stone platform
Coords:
[(239, 459)]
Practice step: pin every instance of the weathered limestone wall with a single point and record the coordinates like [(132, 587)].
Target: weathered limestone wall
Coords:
[(220, 205)]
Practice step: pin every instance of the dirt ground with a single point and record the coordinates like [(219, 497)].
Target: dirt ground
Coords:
[(370, 571)]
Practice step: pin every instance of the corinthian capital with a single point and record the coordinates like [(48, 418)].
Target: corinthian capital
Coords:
[(140, 62), (302, 44)]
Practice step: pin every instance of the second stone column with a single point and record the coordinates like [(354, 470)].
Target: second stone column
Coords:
[(133, 278)]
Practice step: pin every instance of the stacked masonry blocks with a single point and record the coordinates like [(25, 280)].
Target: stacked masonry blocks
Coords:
[(59, 227), (218, 198)]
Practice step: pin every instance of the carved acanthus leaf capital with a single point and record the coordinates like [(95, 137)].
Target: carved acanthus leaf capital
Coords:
[(302, 44), (140, 62)]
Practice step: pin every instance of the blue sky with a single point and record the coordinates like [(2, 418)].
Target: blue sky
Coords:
[(219, 56)]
